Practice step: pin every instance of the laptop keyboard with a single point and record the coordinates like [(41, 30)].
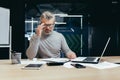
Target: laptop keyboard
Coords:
[(89, 59)]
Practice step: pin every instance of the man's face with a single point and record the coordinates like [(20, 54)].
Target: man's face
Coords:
[(48, 25)]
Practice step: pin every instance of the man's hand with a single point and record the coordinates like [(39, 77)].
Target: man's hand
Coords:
[(39, 29), (71, 55)]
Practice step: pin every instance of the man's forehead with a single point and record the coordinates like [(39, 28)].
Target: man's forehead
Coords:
[(46, 20)]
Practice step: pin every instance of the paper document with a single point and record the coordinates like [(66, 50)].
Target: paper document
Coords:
[(44, 61), (55, 59), (102, 65), (68, 65), (34, 61), (78, 59)]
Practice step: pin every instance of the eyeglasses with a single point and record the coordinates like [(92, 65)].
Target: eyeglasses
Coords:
[(49, 25)]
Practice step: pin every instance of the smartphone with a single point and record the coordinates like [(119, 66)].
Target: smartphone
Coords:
[(78, 66), (32, 66), (55, 63)]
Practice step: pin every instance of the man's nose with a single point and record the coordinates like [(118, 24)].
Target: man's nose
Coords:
[(48, 27)]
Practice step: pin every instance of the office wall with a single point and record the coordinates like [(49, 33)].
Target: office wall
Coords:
[(17, 22)]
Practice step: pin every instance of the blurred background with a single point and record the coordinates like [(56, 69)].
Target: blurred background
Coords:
[(86, 24)]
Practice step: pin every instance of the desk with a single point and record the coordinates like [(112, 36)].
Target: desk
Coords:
[(14, 72)]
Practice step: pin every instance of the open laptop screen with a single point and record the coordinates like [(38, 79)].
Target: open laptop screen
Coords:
[(92, 59)]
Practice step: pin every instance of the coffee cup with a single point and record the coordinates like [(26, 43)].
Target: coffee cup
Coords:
[(16, 58)]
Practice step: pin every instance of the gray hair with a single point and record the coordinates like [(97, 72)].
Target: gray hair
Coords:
[(47, 15)]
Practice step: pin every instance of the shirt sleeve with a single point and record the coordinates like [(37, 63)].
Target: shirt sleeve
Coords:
[(64, 46), (32, 50)]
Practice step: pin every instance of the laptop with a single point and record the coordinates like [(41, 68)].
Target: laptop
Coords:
[(93, 60)]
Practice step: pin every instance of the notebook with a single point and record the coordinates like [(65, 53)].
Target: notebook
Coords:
[(94, 60)]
